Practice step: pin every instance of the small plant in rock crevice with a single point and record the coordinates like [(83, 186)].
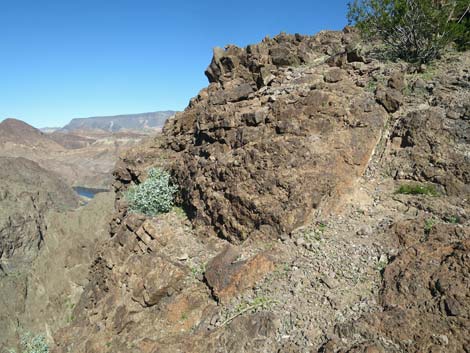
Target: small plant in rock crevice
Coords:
[(428, 225), (258, 303), (417, 189), (453, 219), (154, 196), (198, 270)]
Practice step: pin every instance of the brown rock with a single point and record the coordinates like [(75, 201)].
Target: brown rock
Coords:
[(391, 99), (244, 167), (452, 307), (228, 277), (429, 150), (265, 77), (422, 295), (238, 93), (334, 75), (134, 221), (283, 56), (397, 81), (160, 281), (142, 235)]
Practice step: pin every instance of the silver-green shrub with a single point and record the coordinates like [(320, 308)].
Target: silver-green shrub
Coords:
[(155, 195), (32, 344)]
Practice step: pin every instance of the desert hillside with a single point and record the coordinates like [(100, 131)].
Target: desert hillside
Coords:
[(17, 132), (83, 158), (324, 201), (46, 246)]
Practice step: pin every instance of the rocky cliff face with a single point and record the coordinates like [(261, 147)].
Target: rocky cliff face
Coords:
[(46, 245), (292, 156), (46, 251), (27, 191)]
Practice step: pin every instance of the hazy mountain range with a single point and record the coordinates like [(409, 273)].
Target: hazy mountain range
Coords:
[(143, 121), (84, 151)]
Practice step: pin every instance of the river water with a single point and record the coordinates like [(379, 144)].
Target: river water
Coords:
[(89, 193)]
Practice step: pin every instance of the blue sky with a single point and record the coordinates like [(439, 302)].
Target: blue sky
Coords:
[(63, 59)]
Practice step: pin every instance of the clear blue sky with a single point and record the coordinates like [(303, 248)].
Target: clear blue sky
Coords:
[(62, 59)]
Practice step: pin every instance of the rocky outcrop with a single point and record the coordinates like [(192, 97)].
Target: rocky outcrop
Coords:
[(277, 137), (424, 302), (148, 292), (432, 148), (293, 155), (227, 276)]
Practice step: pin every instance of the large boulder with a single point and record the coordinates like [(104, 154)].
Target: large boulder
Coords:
[(263, 160)]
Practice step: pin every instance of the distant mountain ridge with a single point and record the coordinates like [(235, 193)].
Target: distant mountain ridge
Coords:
[(142, 121)]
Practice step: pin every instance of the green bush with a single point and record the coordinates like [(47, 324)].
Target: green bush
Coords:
[(155, 195), (413, 30), (32, 344), (462, 25), (417, 189)]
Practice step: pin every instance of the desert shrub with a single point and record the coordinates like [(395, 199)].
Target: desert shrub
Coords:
[(417, 189), (462, 25), (413, 30), (32, 344), (155, 195), (429, 224)]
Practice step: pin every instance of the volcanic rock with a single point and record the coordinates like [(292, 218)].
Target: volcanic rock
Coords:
[(245, 159), (227, 277), (296, 158)]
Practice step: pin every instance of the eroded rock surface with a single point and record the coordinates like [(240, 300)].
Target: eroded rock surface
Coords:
[(424, 296), (295, 153), (27, 191), (227, 275), (46, 246), (277, 136)]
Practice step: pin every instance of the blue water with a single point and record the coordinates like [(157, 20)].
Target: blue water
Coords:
[(88, 192)]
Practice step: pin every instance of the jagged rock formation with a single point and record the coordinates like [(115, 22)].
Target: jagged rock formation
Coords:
[(293, 156), (277, 135), (424, 298), (424, 302)]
